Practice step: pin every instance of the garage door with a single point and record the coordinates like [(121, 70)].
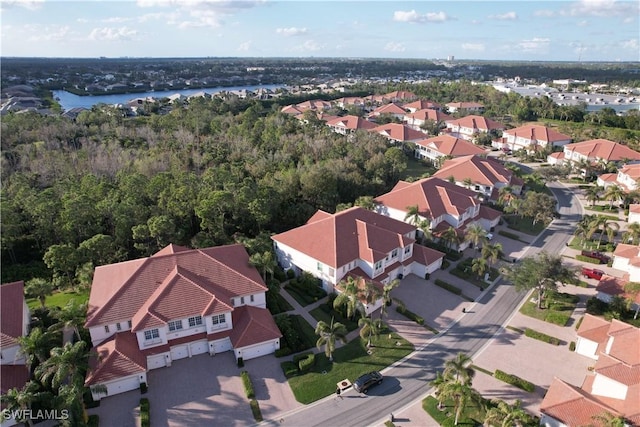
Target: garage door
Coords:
[(122, 385), (156, 361), (222, 345), (199, 347), (257, 351), (179, 352)]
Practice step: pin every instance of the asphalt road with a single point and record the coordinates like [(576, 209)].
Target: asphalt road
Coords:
[(409, 380)]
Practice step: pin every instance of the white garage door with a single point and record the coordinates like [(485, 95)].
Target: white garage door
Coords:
[(257, 350), (179, 352), (122, 385), (156, 361), (199, 347), (222, 346)]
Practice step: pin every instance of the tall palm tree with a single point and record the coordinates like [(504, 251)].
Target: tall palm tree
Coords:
[(459, 369), (463, 395), (22, 399), (593, 194), (605, 226), (468, 182), (479, 266), (72, 316), (329, 333), (39, 288), (349, 298), (632, 234), (65, 365), (450, 237), (476, 235), (264, 261), (387, 298), (413, 215), (370, 327), (613, 193), (504, 415), (505, 195), (584, 230), (425, 227), (439, 383), (36, 346), (492, 252)]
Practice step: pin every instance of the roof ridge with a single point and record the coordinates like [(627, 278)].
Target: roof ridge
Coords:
[(228, 267)]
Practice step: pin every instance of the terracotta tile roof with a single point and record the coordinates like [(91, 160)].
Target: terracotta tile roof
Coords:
[(610, 285), (621, 372), (480, 170), (632, 171), (537, 133), (626, 348), (603, 149), (489, 213), (398, 132), (350, 100), (628, 407), (448, 145), (252, 325), (464, 105), (429, 114), (355, 233), (434, 197), (13, 376), (351, 122), (400, 94), (425, 256), (390, 108), (422, 104), (291, 109), (557, 155), (116, 357), (624, 250), (187, 338), (634, 208), (11, 311), (313, 104), (142, 290), (478, 123), (608, 177), (594, 328)]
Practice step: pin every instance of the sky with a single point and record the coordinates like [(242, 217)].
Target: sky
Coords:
[(551, 30)]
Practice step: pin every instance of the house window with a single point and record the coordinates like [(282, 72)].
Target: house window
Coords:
[(477, 188), (151, 334), (319, 266), (394, 253), (106, 328), (174, 325), (195, 321), (407, 249), (129, 323), (118, 327), (378, 265), (218, 319), (251, 298), (241, 300), (331, 272)]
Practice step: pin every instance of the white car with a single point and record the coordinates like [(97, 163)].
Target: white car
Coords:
[(489, 236)]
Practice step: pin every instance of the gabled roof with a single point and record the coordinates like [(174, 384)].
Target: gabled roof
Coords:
[(538, 133), (400, 94), (351, 122), (634, 208), (603, 149), (13, 376), (630, 252), (11, 313), (355, 233), (480, 170), (462, 105), (434, 197), (252, 325), (314, 104), (172, 282), (631, 170), (448, 145), (422, 104), (116, 357), (398, 132), (291, 109), (390, 108), (594, 328), (429, 114), (478, 123)]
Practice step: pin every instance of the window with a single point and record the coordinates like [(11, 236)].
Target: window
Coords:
[(174, 325), (241, 300), (218, 319), (106, 328), (394, 253), (332, 272), (195, 321), (151, 334), (407, 249), (378, 265), (251, 298), (129, 323), (118, 327), (319, 266)]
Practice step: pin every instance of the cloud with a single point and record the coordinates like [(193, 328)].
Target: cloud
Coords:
[(50, 33), (536, 44), (200, 13), (631, 44), (116, 20), (82, 20), (113, 34), (27, 4), (291, 31), (309, 46), (603, 8), (394, 47), (508, 16), (476, 47), (245, 47), (413, 16)]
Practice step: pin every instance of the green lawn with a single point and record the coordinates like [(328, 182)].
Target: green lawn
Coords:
[(558, 311), (524, 225), (326, 313), (416, 169), (60, 299), (472, 416), (350, 361), (305, 331)]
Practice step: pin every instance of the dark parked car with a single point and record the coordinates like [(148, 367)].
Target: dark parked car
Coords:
[(364, 382), (592, 273), (597, 255)]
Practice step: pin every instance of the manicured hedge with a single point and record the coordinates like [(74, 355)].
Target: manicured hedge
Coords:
[(541, 337), (255, 409), (307, 363), (448, 286), (572, 346), (410, 315), (579, 322), (587, 259), (445, 264), (248, 386), (509, 235), (283, 351), (144, 413), (514, 381), (289, 368)]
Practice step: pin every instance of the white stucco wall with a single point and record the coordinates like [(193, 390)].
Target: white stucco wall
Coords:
[(587, 347), (547, 421), (11, 355), (604, 386)]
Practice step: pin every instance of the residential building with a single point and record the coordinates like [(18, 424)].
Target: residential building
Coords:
[(439, 202), (444, 146), (145, 313), (396, 132), (399, 96), (390, 109), (355, 242), (292, 110), (421, 104), (634, 213), (613, 386), (626, 258), (349, 124), (596, 151), (314, 104), (351, 101), (628, 177), (532, 138), (420, 117), (470, 107), (485, 176), (469, 127)]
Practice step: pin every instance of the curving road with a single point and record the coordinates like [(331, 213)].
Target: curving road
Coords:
[(409, 379)]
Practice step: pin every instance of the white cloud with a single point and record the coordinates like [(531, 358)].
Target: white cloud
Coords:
[(536, 44), (394, 47), (413, 16), (508, 16), (603, 8), (50, 33), (545, 13), (631, 44), (82, 20), (476, 47), (309, 46), (27, 4), (244, 47), (291, 31), (200, 13), (116, 20), (113, 33)]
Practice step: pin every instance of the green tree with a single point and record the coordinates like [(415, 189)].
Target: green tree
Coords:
[(65, 365), (348, 298), (605, 226), (450, 237), (370, 328), (37, 346), (39, 288), (593, 194), (539, 207), (63, 260), (476, 235), (479, 266), (72, 316), (22, 400), (607, 419), (504, 415), (99, 250), (632, 235), (463, 396), (265, 262), (492, 252), (387, 298), (329, 334), (613, 193), (459, 369), (365, 202), (413, 215)]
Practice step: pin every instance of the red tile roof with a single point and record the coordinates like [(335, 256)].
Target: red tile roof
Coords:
[(425, 256), (537, 133), (478, 123), (429, 114), (480, 170), (464, 105), (594, 328), (291, 109), (489, 213), (391, 108), (252, 325), (634, 208), (11, 313), (13, 376), (152, 290), (448, 145), (610, 285), (422, 104), (632, 171), (400, 94), (624, 250), (313, 104), (116, 357), (356, 233), (603, 149), (398, 132), (434, 197), (351, 122)]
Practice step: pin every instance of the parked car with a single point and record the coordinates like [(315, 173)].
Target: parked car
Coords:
[(592, 273), (366, 381), (604, 259)]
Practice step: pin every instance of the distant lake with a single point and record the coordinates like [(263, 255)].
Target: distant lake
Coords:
[(69, 100)]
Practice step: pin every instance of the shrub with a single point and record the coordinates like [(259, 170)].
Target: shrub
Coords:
[(307, 363), (557, 318), (445, 264), (279, 274), (478, 368), (144, 413), (298, 357), (93, 421), (410, 315), (587, 259), (448, 286), (255, 409), (595, 306), (541, 337), (514, 381), (248, 386), (283, 351), (289, 368), (240, 362), (579, 322), (509, 235), (572, 346), (291, 274), (143, 388)]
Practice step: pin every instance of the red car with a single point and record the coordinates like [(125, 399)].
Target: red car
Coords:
[(592, 273), (604, 259)]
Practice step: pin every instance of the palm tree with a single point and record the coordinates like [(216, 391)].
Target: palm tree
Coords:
[(593, 194), (468, 182), (458, 369), (329, 333), (584, 230), (64, 365), (505, 415), (450, 237), (476, 235), (387, 298), (479, 266), (73, 316), (39, 288), (370, 327), (613, 193), (22, 399), (413, 215), (463, 395), (505, 195), (515, 207), (492, 252), (632, 234), (425, 227), (36, 346), (439, 382), (263, 261), (607, 419), (349, 298), (606, 226)]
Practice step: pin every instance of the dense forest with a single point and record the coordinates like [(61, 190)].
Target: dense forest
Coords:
[(106, 188)]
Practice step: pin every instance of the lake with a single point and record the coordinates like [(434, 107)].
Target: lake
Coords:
[(69, 100)]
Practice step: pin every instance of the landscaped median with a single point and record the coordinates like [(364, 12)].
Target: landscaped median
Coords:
[(350, 361)]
